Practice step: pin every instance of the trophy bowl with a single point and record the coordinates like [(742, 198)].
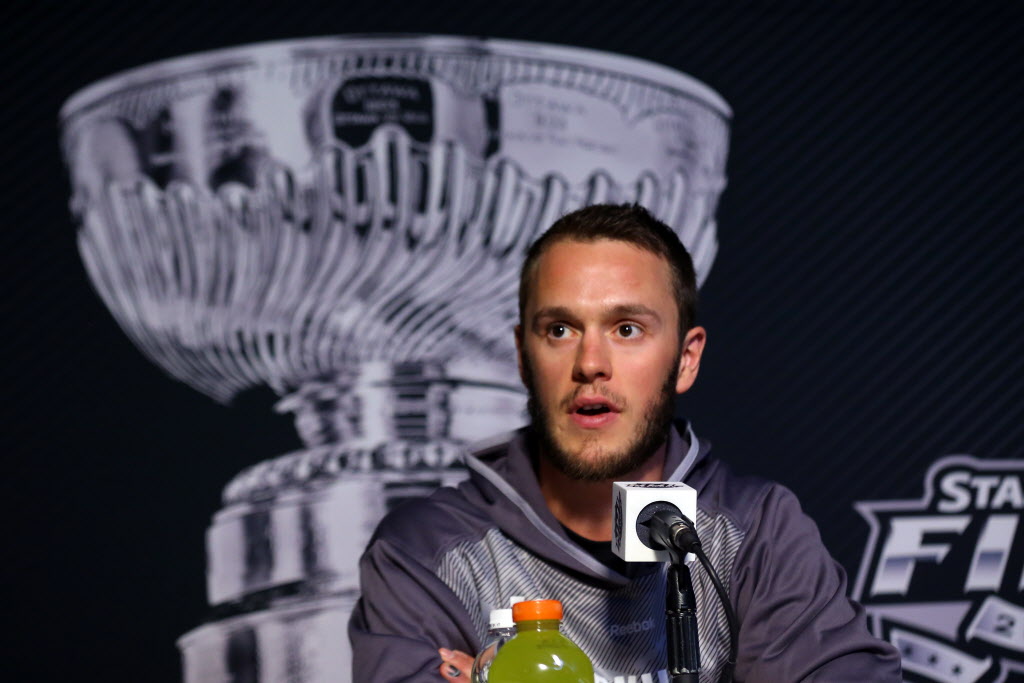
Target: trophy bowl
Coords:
[(343, 220)]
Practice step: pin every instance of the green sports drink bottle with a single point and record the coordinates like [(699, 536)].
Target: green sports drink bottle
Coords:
[(539, 652)]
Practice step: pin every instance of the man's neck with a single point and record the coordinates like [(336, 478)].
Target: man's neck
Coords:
[(586, 506)]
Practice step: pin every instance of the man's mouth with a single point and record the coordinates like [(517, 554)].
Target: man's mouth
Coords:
[(593, 411)]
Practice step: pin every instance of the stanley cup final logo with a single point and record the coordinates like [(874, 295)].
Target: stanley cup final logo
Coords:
[(942, 577), (343, 220)]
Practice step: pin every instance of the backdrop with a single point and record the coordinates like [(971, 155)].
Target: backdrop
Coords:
[(863, 312)]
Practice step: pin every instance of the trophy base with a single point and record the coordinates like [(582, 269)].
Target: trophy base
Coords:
[(283, 576), (305, 541), (301, 642)]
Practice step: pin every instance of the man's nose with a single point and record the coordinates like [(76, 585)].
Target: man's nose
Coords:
[(593, 361)]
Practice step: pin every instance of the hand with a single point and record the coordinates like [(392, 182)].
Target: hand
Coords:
[(455, 665)]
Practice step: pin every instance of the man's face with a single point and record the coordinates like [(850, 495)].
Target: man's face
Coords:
[(600, 354)]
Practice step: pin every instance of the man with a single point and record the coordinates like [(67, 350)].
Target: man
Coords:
[(607, 337)]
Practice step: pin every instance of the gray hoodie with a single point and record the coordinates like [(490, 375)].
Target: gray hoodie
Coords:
[(437, 566)]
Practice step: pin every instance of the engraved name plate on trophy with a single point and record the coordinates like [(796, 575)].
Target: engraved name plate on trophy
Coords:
[(343, 220)]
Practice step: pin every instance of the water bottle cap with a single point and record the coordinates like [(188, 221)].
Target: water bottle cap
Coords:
[(501, 618), (536, 609)]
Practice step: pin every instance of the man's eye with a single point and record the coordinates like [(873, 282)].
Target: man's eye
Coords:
[(628, 331), (558, 331)]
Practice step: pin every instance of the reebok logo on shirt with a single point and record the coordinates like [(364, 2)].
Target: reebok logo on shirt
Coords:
[(634, 627)]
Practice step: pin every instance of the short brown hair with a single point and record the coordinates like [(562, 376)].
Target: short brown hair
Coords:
[(630, 223)]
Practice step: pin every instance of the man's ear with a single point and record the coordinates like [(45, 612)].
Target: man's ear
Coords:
[(519, 351), (689, 359)]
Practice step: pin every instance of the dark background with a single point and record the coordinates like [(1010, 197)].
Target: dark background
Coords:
[(864, 309)]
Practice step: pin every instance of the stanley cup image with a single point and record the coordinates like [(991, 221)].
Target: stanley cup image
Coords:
[(343, 220)]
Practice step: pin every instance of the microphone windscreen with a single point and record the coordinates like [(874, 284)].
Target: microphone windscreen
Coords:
[(633, 499)]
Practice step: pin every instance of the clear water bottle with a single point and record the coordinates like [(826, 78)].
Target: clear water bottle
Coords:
[(539, 652), (500, 629)]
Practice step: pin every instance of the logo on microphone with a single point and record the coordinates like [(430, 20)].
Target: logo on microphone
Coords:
[(617, 523), (942, 577), (656, 485)]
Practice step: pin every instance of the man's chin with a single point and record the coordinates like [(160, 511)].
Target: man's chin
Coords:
[(589, 462)]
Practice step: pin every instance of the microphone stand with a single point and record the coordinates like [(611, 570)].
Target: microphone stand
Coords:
[(675, 533), (681, 624)]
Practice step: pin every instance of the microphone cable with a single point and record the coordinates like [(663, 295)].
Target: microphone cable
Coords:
[(730, 615)]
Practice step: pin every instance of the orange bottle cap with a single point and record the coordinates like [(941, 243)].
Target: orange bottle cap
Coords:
[(536, 609)]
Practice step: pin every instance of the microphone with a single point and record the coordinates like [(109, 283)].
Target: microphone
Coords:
[(674, 532), (651, 523), (646, 514)]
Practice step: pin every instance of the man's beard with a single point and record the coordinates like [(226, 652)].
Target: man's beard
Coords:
[(650, 435)]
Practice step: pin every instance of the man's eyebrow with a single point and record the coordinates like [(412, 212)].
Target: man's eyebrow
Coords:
[(552, 312), (634, 310), (620, 311)]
